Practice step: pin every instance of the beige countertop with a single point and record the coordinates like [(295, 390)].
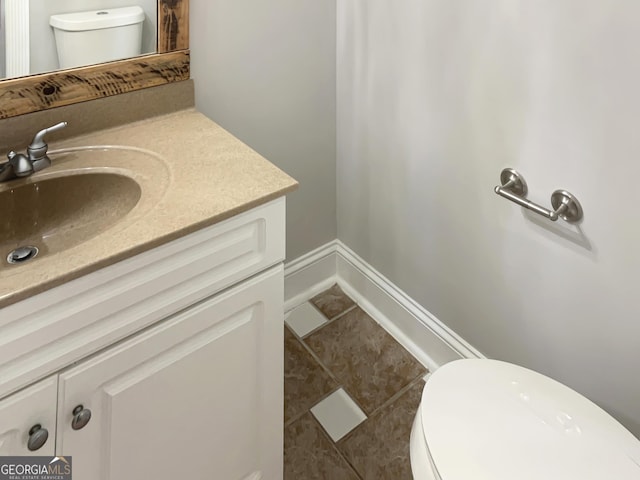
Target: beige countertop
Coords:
[(192, 172)]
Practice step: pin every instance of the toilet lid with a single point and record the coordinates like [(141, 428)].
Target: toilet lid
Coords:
[(491, 420), (97, 19)]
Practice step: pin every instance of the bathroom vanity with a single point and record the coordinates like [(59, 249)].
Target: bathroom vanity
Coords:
[(153, 349)]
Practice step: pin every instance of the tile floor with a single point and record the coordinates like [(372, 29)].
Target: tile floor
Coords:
[(351, 392)]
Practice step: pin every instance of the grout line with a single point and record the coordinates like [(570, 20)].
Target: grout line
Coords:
[(329, 320), (328, 372), (331, 375), (335, 446), (321, 363), (397, 395), (342, 314), (298, 416), (295, 418), (315, 357), (374, 414), (327, 395), (336, 284)]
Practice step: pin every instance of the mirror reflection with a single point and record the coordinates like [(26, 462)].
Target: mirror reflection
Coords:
[(38, 36)]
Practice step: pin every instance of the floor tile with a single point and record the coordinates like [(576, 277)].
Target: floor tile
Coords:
[(310, 455), (333, 302), (305, 381), (338, 414), (366, 360), (379, 448), (305, 319)]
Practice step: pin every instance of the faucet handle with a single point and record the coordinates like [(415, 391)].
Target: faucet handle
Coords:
[(21, 165), (38, 146)]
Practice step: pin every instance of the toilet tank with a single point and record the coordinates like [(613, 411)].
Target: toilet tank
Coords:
[(97, 36)]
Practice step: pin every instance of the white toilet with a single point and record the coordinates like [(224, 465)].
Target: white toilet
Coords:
[(87, 38), (491, 420)]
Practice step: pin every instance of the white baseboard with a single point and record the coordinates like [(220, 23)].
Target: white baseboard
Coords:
[(309, 275), (414, 327)]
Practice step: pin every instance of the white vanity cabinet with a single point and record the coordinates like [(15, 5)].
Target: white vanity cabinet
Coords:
[(28, 419), (195, 397), (191, 386)]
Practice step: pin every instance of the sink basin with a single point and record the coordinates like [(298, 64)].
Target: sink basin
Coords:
[(58, 213), (86, 192)]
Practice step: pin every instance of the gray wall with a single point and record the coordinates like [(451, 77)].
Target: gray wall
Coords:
[(434, 99), (265, 71)]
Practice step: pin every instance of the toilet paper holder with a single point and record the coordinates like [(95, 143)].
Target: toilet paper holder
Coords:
[(514, 188)]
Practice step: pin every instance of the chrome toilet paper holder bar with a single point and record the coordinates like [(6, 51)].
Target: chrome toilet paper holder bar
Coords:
[(565, 205)]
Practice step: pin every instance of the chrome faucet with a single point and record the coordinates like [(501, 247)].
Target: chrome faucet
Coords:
[(20, 165)]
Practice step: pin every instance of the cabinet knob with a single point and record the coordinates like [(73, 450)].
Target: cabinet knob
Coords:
[(81, 417), (37, 437)]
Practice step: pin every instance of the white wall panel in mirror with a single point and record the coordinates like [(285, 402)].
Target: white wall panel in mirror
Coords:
[(28, 44)]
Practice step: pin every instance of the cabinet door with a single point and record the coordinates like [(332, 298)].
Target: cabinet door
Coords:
[(196, 397), (22, 412)]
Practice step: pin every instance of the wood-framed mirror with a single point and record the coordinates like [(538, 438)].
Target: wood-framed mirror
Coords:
[(65, 87)]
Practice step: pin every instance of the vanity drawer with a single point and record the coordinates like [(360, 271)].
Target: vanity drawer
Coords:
[(51, 330)]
